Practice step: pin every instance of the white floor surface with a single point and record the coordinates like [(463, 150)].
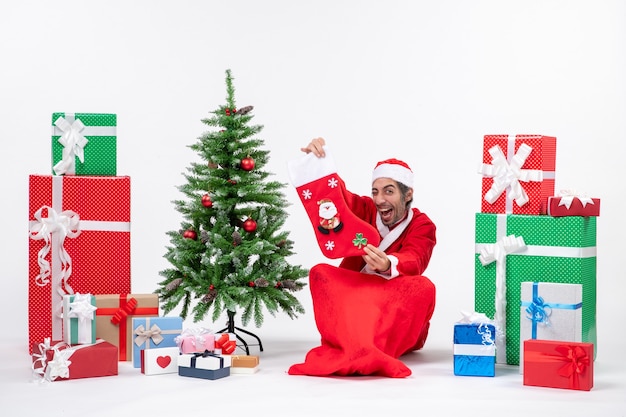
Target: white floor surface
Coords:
[(432, 390)]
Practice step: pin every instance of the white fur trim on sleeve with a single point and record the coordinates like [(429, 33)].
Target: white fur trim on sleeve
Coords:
[(393, 269)]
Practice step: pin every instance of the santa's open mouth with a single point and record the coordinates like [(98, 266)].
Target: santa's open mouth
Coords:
[(386, 215)]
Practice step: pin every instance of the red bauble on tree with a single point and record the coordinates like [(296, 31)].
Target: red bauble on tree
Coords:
[(249, 225), (247, 164), (206, 201), (190, 234)]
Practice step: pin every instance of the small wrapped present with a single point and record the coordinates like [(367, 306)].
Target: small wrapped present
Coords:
[(196, 340), (569, 203), (84, 144), (115, 314), (79, 242), (518, 173), (558, 364), (244, 364), (153, 332), (550, 311), (205, 365), (159, 361), (226, 344), (79, 320), (474, 346), (56, 360)]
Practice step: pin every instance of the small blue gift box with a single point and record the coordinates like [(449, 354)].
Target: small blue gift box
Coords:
[(154, 332), (474, 349), (203, 365)]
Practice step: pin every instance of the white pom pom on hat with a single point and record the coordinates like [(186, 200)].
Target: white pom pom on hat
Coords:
[(395, 169)]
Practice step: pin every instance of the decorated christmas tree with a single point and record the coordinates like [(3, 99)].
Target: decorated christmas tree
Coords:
[(230, 254)]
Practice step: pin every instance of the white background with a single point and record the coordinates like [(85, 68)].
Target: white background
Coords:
[(418, 80)]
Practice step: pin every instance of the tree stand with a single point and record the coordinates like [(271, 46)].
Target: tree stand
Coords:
[(230, 328)]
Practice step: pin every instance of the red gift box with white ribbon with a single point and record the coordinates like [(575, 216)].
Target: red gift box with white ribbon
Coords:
[(79, 229), (571, 203), (57, 360), (518, 173)]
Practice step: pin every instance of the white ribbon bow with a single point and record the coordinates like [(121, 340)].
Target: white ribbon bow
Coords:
[(144, 334), (482, 320), (59, 226), (567, 196), (473, 317), (199, 336), (59, 366), (507, 176), (498, 252), (81, 308), (40, 358), (73, 143)]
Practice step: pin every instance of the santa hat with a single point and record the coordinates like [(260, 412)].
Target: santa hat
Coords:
[(395, 169)]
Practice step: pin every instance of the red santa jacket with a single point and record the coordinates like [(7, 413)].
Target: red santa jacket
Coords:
[(413, 247)]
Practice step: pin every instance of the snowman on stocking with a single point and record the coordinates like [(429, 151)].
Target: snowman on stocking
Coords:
[(338, 231)]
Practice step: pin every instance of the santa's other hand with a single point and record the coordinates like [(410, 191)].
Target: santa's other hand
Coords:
[(376, 259)]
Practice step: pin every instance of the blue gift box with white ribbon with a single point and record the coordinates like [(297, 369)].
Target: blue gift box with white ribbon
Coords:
[(474, 349)]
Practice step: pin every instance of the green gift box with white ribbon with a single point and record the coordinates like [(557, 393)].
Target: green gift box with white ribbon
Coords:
[(79, 319), (84, 144), (511, 249)]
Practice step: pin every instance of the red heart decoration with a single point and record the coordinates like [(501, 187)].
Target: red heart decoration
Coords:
[(163, 361)]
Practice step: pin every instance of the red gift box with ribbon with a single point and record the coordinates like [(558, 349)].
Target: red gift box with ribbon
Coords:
[(558, 364), (114, 316), (56, 360), (569, 203), (518, 173), (79, 242)]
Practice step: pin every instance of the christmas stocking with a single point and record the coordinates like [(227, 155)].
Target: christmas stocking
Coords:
[(338, 231)]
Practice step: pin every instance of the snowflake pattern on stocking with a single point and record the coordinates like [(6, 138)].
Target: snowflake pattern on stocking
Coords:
[(338, 231)]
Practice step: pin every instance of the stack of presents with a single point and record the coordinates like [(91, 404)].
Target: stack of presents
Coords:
[(535, 271), (82, 317)]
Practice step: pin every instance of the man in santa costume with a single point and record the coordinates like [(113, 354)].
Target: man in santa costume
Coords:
[(376, 305)]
